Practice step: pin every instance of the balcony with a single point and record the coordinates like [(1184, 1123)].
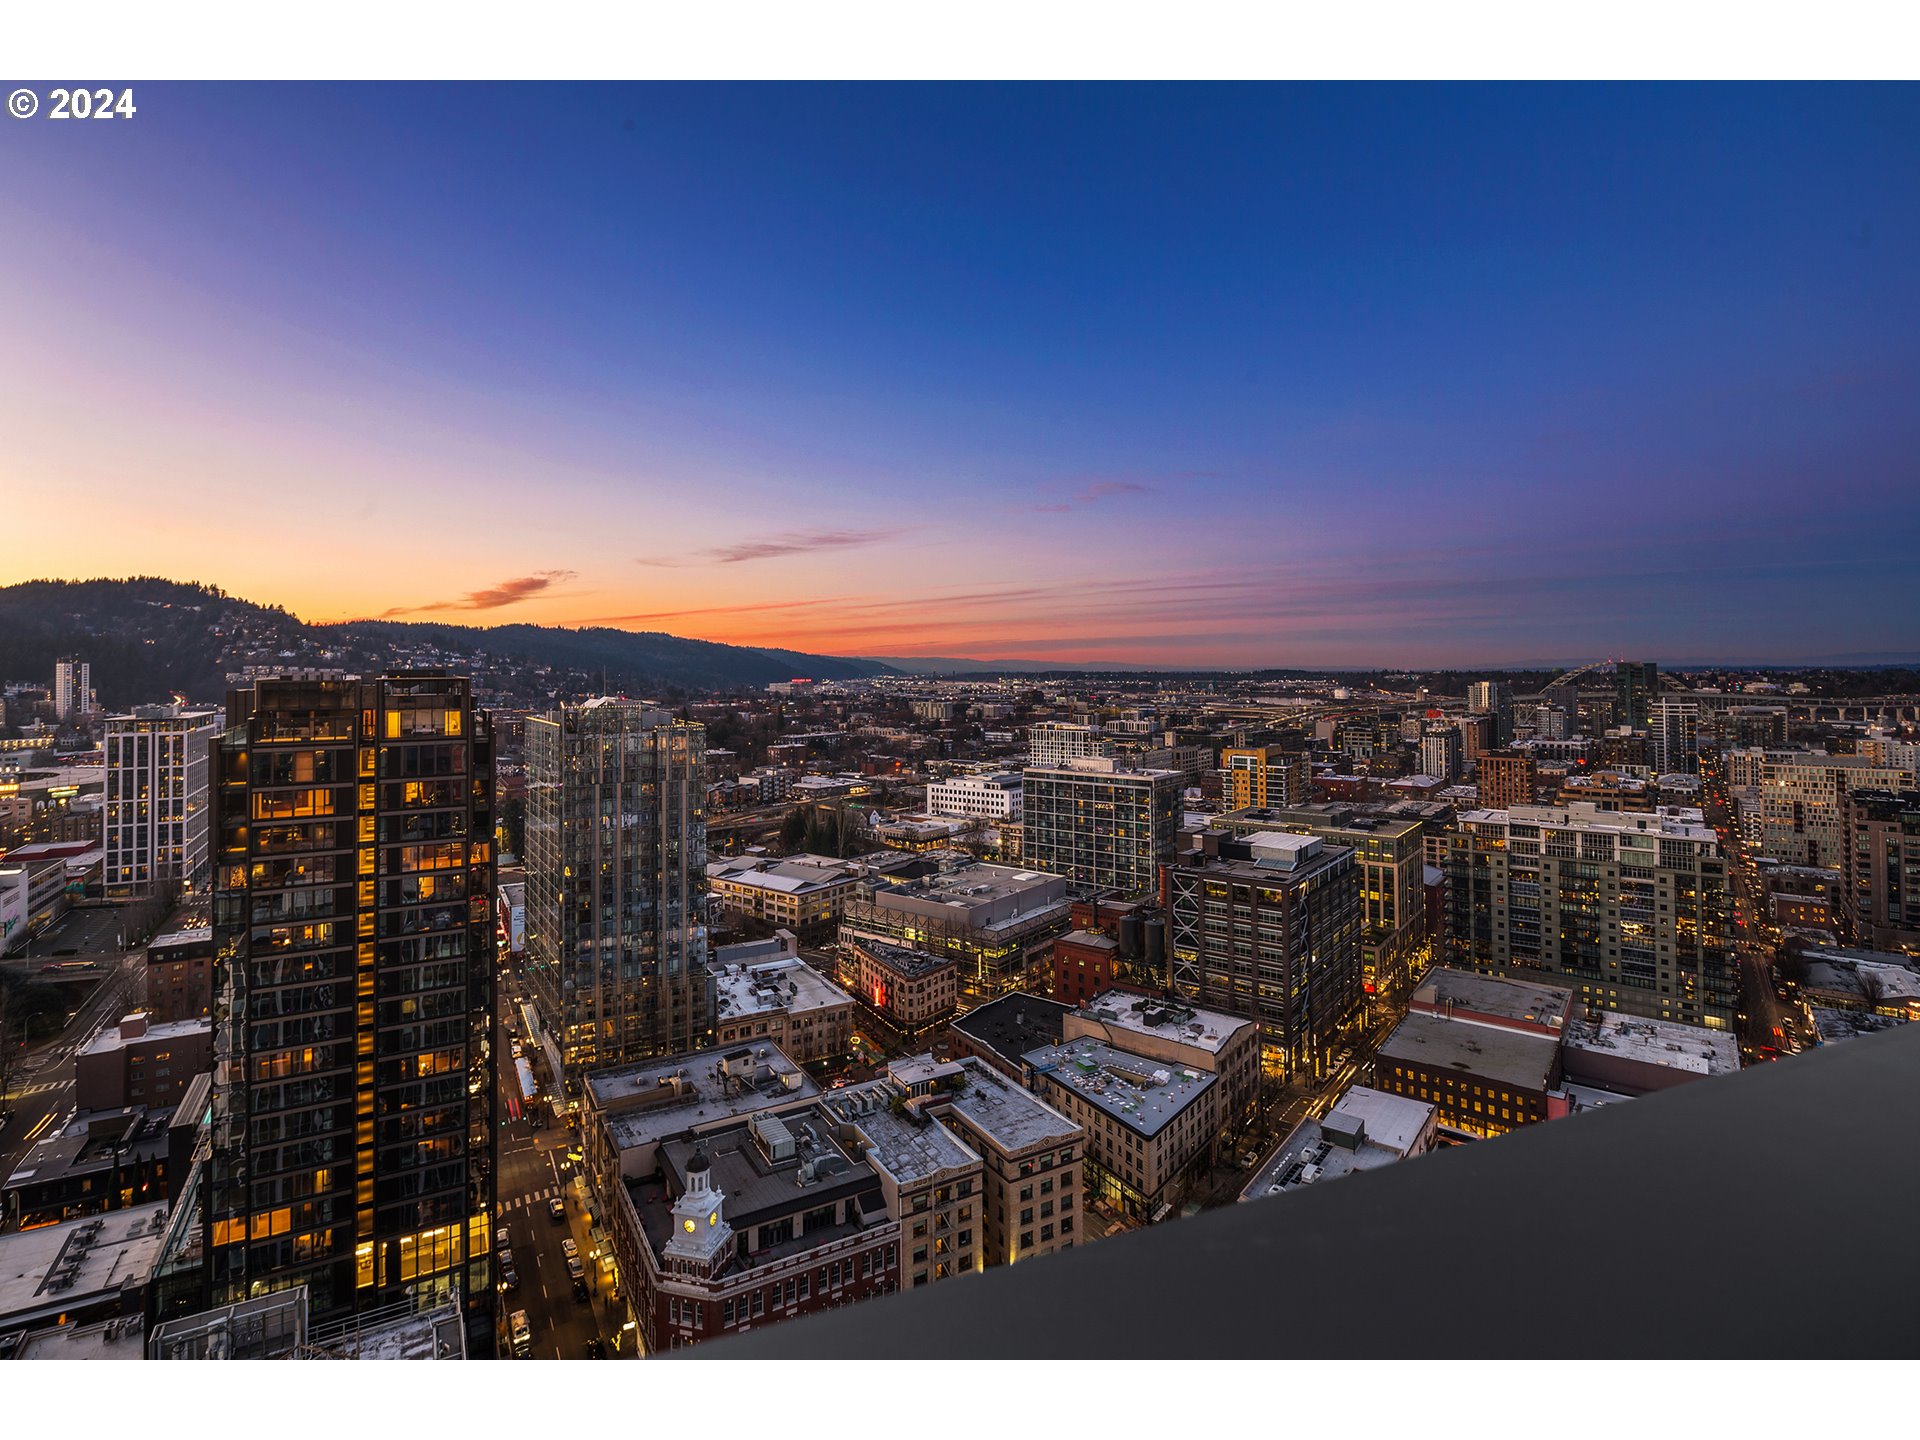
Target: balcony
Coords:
[(1728, 1219)]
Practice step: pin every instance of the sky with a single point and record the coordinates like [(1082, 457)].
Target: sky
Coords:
[(1211, 376)]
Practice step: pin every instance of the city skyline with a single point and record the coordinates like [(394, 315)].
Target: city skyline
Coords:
[(1227, 377)]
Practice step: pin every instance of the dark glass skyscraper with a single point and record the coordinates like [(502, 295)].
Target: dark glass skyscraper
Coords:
[(1635, 684), (353, 1124)]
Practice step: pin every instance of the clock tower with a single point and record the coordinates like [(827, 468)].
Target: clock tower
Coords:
[(702, 1241)]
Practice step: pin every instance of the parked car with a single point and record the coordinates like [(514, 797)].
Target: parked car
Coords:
[(557, 1208), (509, 1278), (502, 1240), (596, 1349), (570, 1248), (580, 1290)]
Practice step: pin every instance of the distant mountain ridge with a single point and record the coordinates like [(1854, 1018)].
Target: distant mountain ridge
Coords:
[(147, 636)]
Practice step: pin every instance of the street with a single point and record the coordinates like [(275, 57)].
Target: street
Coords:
[(532, 1171), (1768, 1023), (43, 1088)]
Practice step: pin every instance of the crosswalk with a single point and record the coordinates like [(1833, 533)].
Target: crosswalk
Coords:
[(39, 1089), (536, 1197)]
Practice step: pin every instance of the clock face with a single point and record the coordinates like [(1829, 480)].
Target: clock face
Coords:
[(714, 1218), (689, 1225)]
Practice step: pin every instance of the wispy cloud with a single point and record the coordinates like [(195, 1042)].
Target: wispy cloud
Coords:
[(1093, 491), (507, 592), (788, 542)]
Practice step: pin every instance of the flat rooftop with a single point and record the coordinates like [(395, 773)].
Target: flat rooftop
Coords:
[(117, 1339), (788, 984), (1015, 1024), (1310, 1155), (909, 964), (1506, 1057), (90, 1141), (1392, 1121), (1672, 821), (911, 1147), (1140, 1093), (53, 1268), (1013, 1117), (1521, 1001), (198, 935), (648, 1102), (1655, 1042), (111, 1038), (1172, 1020), (755, 1183)]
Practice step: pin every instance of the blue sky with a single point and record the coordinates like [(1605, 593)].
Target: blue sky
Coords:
[(1214, 375)]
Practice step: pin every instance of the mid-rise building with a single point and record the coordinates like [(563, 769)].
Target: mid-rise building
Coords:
[(977, 797), (1054, 742), (1632, 911), (802, 893), (1389, 848), (1440, 752), (781, 1001), (1267, 928), (180, 975), (910, 988), (616, 876), (1484, 1052), (154, 816), (997, 923), (353, 1119), (1507, 778), (1881, 891), (1803, 802), (1264, 776), (142, 1063), (1103, 827)]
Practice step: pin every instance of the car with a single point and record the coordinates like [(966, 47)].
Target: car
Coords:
[(596, 1349), (557, 1208), (509, 1278), (503, 1240), (575, 1268), (580, 1289), (570, 1248)]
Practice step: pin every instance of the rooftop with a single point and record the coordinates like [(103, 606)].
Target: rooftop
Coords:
[(763, 1167), (906, 963), (55, 1268), (1506, 1057), (1519, 1001), (196, 935), (1654, 1042), (1140, 1093), (1387, 1126), (1012, 1117), (90, 1140), (648, 1102), (1015, 1024), (1671, 821), (1165, 1019), (788, 984), (1714, 1150), (116, 1038), (912, 1147), (796, 875)]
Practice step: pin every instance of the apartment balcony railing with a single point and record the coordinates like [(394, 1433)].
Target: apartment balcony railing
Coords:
[(1744, 1216)]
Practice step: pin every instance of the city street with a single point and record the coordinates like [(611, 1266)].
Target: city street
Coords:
[(43, 1088), (532, 1171), (1759, 1001)]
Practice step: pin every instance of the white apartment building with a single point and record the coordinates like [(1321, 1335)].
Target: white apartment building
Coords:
[(72, 688), (986, 797), (1054, 742), (155, 816)]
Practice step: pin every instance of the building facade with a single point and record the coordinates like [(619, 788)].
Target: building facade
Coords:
[(1267, 929), (353, 1119), (616, 876), (1102, 827), (1631, 911), (1264, 776), (155, 810), (1880, 890)]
